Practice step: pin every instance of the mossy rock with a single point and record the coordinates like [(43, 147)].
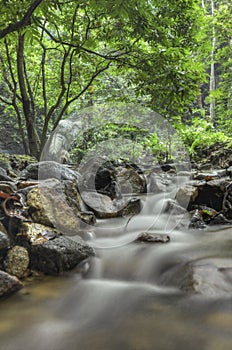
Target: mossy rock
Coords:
[(15, 161), (20, 162)]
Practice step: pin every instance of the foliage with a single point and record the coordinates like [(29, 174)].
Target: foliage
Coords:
[(53, 61), (200, 134)]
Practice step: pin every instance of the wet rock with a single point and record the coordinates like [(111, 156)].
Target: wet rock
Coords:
[(157, 184), (203, 193), (205, 166), (87, 217), (49, 206), (4, 176), (2, 228), (220, 219), (186, 195), (59, 255), (174, 208), (130, 181), (36, 233), (49, 169), (211, 194), (227, 202), (186, 173), (17, 261), (204, 216), (170, 168), (113, 178), (197, 221), (208, 176), (4, 241), (104, 207), (209, 277), (221, 173), (152, 238), (131, 207), (229, 171), (25, 184), (8, 187), (8, 284)]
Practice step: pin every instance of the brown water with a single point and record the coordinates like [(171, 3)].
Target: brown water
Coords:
[(123, 298)]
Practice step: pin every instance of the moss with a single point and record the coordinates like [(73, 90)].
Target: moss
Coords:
[(20, 162)]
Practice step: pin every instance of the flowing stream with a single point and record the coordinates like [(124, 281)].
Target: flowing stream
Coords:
[(128, 296)]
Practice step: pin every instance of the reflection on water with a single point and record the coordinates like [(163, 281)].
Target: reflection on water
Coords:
[(126, 298)]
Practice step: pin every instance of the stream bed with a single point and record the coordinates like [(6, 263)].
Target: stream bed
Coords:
[(131, 296)]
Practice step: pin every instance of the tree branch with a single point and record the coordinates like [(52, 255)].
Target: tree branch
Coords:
[(95, 74), (25, 21), (114, 55)]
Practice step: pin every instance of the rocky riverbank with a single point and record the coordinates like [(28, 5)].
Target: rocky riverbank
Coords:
[(42, 205)]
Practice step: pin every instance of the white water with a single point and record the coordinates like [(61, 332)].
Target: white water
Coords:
[(126, 297)]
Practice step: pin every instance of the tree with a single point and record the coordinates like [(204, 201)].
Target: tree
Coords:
[(55, 52), (217, 28)]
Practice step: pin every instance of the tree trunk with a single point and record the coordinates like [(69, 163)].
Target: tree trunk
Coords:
[(33, 139), (212, 85)]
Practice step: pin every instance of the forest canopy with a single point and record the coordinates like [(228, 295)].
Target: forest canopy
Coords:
[(172, 56)]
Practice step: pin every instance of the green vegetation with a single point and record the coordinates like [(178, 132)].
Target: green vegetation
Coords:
[(57, 57)]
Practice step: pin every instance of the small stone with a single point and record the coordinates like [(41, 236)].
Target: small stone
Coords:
[(152, 238), (17, 261)]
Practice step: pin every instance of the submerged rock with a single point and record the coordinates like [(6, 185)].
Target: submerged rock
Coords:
[(209, 277), (8, 284), (58, 255), (172, 207), (152, 238), (17, 261), (157, 183)]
